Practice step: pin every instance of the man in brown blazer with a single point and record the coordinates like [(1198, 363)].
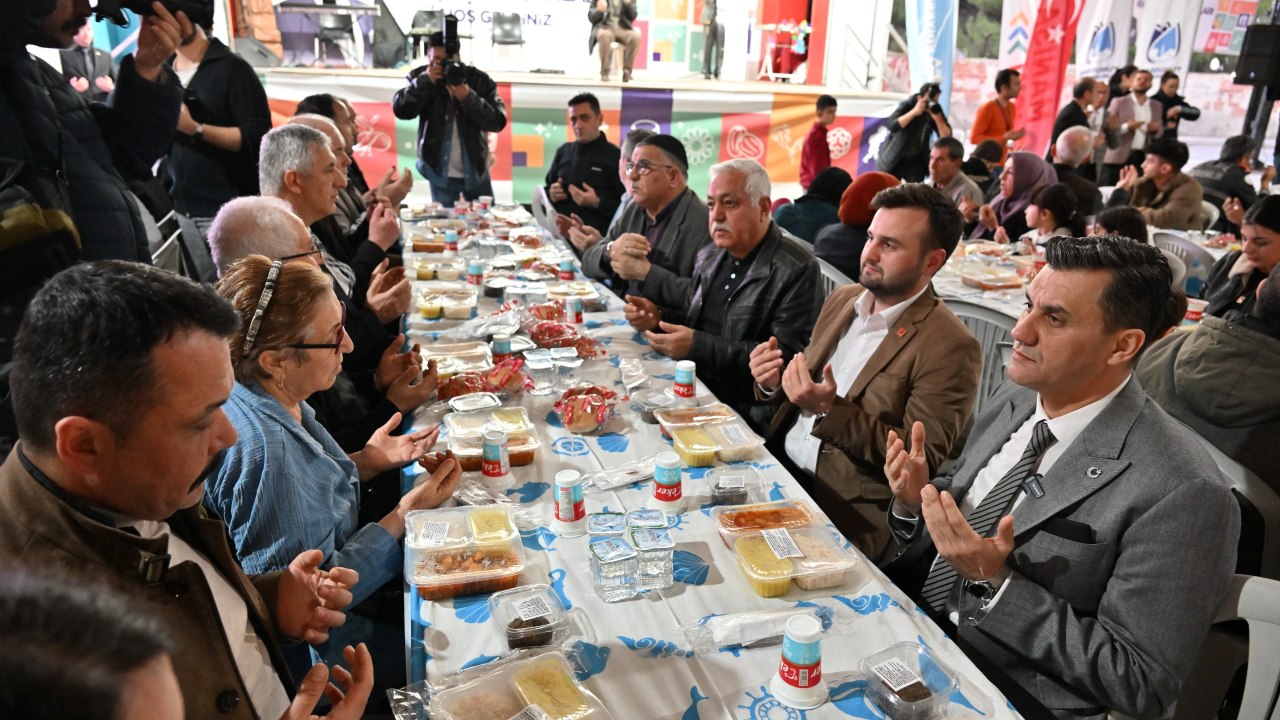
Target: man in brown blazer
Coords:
[(887, 353), (119, 374), (1139, 118)]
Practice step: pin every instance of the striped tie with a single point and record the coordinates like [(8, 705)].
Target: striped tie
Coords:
[(987, 515)]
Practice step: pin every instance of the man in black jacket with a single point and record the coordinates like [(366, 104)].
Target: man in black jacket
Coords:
[(754, 283), (1227, 179), (89, 69), (1072, 148), (905, 152), (1086, 94), (611, 22), (453, 147), (583, 178)]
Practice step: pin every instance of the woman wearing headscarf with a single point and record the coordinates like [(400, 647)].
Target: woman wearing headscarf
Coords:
[(817, 208), (841, 244), (1024, 173)]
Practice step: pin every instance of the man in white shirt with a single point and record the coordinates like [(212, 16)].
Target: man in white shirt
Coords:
[(119, 376), (887, 353), (1137, 120), (1084, 540)]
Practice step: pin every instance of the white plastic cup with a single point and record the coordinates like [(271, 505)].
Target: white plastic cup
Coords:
[(570, 519), (668, 492), (686, 384), (798, 682)]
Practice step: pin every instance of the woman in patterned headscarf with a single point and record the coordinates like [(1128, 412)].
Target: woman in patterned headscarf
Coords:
[(1024, 173)]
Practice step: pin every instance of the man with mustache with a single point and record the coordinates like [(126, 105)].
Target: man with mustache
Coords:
[(120, 373), (1082, 544), (754, 282), (886, 353)]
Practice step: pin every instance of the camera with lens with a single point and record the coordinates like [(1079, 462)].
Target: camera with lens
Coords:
[(455, 71), (199, 12)]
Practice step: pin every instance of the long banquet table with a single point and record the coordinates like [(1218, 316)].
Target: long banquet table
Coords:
[(633, 656)]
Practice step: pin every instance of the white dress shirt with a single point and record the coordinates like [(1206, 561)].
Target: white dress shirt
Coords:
[(1141, 111), (261, 681), (1065, 428), (855, 348)]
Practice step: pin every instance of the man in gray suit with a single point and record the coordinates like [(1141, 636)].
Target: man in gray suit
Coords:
[(712, 41), (1084, 541), (661, 230)]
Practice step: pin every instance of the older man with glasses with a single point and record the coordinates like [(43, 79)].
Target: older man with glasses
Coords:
[(663, 227)]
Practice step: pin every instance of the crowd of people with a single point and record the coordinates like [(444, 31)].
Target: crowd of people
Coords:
[(218, 456)]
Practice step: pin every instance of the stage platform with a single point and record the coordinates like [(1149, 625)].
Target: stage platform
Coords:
[(716, 120)]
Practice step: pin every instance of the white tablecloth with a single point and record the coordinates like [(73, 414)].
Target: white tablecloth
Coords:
[(639, 664)]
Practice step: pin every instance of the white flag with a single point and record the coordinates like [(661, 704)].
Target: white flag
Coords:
[(1017, 19), (1102, 40), (1166, 32)]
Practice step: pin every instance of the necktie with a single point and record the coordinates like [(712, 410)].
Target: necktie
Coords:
[(987, 515)]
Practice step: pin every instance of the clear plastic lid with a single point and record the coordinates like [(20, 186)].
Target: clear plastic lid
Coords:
[(735, 485), (460, 547), (763, 516), (781, 553), (906, 680), (651, 399), (527, 616), (443, 527), (675, 417), (579, 289), (461, 357), (646, 519), (611, 549), (522, 688), (474, 401), (651, 539), (734, 441), (694, 445), (508, 420)]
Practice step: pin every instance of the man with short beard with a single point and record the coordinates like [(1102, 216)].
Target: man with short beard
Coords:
[(889, 353)]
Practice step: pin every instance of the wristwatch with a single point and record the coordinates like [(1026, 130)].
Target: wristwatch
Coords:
[(199, 133), (985, 590)]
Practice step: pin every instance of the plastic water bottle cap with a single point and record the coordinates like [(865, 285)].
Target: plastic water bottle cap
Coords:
[(494, 437), (666, 459), (804, 629), (568, 478), (686, 365)]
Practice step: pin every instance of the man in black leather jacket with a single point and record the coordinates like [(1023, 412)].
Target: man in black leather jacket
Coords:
[(453, 122), (1228, 177)]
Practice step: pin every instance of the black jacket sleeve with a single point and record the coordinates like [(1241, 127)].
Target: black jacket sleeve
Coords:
[(416, 97), (139, 119), (487, 112), (247, 100)]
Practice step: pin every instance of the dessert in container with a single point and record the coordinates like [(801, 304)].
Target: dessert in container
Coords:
[(508, 420), (818, 561), (461, 551), (464, 357), (528, 616), (522, 448), (734, 441), (425, 270), (735, 485), (768, 574), (651, 400), (502, 689), (694, 446), (908, 682), (669, 418), (458, 308), (736, 520)]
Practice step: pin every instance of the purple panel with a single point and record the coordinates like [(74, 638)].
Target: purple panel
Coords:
[(646, 108), (519, 158), (869, 128)]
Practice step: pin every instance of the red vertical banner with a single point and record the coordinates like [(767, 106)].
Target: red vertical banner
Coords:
[(500, 142), (1044, 70), (817, 59)]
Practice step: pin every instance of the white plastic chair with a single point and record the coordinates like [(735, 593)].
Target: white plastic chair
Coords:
[(543, 212), (1210, 213), (1177, 267), (1197, 261), (832, 278), (992, 329), (1244, 482), (1106, 191)]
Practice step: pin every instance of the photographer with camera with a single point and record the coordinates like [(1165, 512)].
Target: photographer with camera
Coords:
[(456, 105), (905, 153), (214, 157)]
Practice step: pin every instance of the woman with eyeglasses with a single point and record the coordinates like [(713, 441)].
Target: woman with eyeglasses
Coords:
[(286, 486)]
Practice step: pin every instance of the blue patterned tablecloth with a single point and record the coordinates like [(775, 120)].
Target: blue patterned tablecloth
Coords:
[(636, 661)]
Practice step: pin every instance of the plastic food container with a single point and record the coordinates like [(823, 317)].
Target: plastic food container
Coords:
[(743, 519), (580, 289), (740, 485), (651, 400), (694, 446), (810, 557), (463, 357), (461, 551), (545, 680), (508, 420), (826, 561), (769, 575), (456, 308), (425, 270), (734, 442), (677, 417), (908, 682), (522, 448), (528, 616), (450, 270), (474, 401)]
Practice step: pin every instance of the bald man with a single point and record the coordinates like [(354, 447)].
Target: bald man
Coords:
[(1074, 148)]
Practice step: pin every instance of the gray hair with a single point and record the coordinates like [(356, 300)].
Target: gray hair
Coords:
[(253, 225), (632, 139), (319, 122), (757, 185), (1074, 145), (288, 147)]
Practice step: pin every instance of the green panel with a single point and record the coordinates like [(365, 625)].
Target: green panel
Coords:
[(677, 34), (700, 133), (644, 9), (695, 49), (550, 124), (407, 144)]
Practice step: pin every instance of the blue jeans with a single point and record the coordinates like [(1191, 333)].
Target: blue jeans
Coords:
[(448, 194)]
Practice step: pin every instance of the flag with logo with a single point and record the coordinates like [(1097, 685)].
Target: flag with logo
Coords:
[(931, 25), (1045, 69), (1017, 18), (1102, 40), (1166, 32)]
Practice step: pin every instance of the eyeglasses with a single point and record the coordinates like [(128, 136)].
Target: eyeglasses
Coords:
[(335, 346), (315, 250), (644, 167)]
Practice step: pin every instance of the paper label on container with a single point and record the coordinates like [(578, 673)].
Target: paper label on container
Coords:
[(895, 674), (532, 607), (433, 534), (533, 712), (781, 544), (735, 434), (730, 482)]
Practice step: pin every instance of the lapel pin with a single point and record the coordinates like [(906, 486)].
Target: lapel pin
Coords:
[(902, 331), (1093, 472)]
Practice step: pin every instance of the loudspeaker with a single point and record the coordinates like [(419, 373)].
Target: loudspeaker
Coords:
[(256, 53), (1259, 62)]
